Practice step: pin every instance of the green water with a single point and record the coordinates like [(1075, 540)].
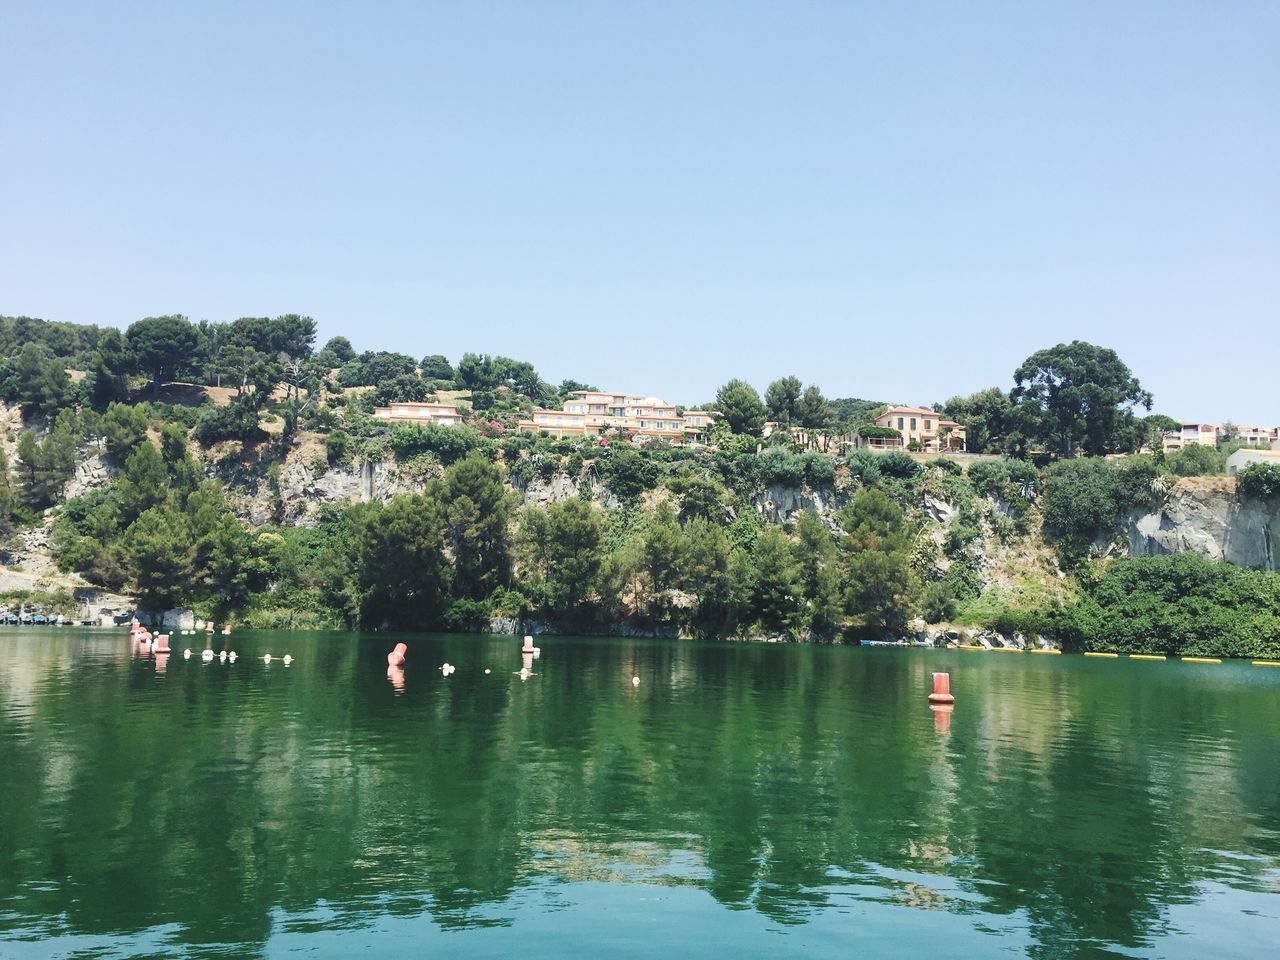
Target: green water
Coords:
[(741, 801)]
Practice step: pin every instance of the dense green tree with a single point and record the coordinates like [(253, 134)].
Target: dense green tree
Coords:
[(8, 500), (777, 590), (144, 482), (372, 368), (237, 420), (1077, 395), (1195, 460), (560, 554), (477, 372), (340, 349), (700, 496), (882, 584), (819, 573), (782, 397), (37, 380), (813, 412), (741, 407), (401, 389), (477, 511), (436, 367), (1086, 501), (717, 573), (851, 413), (161, 346), (1260, 480), (47, 465), (447, 444), (226, 562), (1178, 604), (988, 419), (519, 375), (108, 374), (1151, 430), (401, 569), (162, 557), (568, 387), (662, 550)]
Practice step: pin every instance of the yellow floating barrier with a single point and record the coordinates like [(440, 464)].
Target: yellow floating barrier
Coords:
[(1266, 663), (1006, 650), (1146, 656), (1201, 660), (1052, 652), (970, 646), (1109, 656)]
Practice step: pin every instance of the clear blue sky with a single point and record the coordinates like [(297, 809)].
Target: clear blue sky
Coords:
[(897, 201)]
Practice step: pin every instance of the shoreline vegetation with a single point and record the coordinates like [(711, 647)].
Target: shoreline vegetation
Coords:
[(163, 462)]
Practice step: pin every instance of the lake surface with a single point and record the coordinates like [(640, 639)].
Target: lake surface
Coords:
[(740, 801)]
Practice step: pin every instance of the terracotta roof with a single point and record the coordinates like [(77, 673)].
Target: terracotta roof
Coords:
[(919, 411)]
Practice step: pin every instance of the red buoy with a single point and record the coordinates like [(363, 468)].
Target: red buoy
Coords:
[(941, 689), (396, 657)]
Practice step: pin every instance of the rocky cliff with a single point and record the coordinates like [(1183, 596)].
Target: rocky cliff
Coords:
[(1204, 515)]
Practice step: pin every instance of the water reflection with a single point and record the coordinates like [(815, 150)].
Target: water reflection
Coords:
[(1074, 805)]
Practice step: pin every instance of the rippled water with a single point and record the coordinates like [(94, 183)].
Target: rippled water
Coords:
[(742, 800)]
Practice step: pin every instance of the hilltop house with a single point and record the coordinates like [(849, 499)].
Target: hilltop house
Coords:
[(591, 412), (1211, 434), (932, 432), (1191, 434), (413, 412)]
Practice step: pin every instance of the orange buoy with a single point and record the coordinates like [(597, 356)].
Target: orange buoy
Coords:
[(396, 676), (162, 643), (396, 657), (942, 716), (941, 689), (208, 627)]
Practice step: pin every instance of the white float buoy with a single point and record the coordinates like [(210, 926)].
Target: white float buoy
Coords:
[(232, 656), (266, 658), (223, 656), (487, 671), (635, 681), (186, 654), (287, 659), (207, 656)]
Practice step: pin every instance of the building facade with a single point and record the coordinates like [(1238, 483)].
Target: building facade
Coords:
[(590, 412), (933, 432), (1242, 458), (408, 412), (1212, 434)]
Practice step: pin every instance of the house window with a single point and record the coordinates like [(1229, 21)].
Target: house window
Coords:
[(928, 424), (899, 423), (913, 423)]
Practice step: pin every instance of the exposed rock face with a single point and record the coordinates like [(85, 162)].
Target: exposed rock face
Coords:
[(303, 491), (91, 473), (1212, 522), (938, 509), (540, 493), (780, 504), (179, 618)]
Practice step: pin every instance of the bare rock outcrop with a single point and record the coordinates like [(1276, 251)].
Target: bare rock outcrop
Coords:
[(1211, 520)]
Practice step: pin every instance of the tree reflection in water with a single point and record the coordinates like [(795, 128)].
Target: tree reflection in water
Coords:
[(211, 801)]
